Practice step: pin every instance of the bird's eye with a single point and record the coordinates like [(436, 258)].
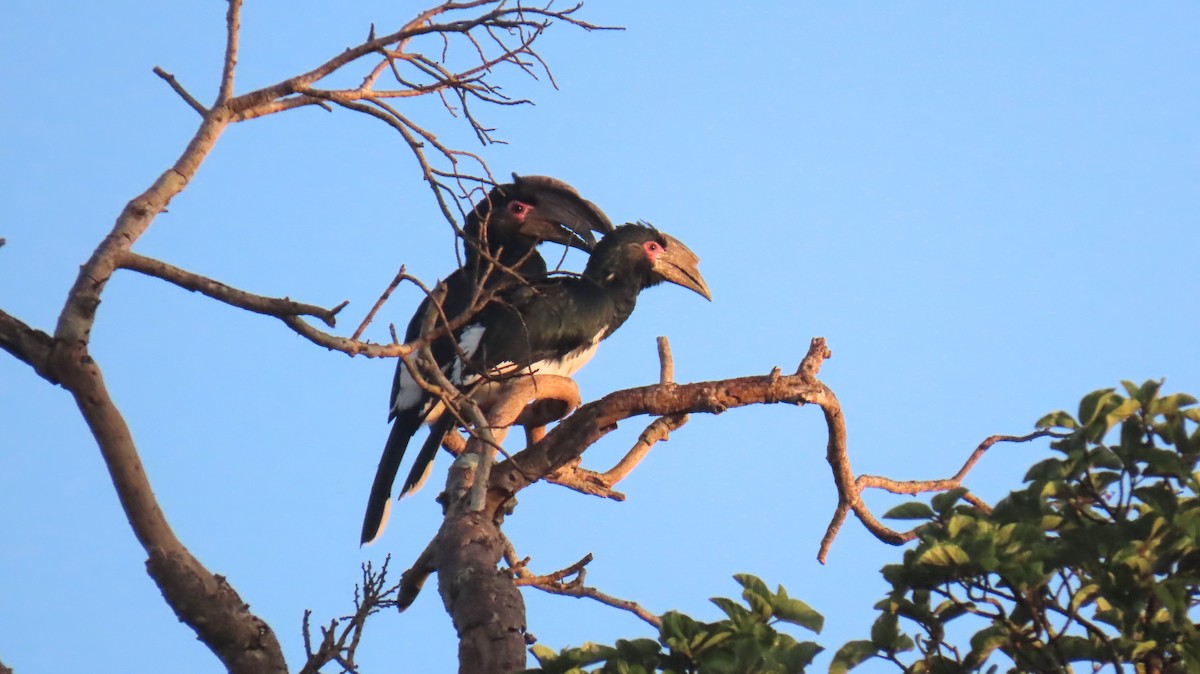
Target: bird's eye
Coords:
[(517, 208), (653, 249)]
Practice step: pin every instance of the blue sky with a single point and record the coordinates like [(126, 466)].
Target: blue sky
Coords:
[(988, 210)]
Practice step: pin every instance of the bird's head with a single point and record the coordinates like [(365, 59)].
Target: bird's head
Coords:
[(646, 256), (532, 209)]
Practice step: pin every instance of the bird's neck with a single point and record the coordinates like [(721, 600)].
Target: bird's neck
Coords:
[(623, 290)]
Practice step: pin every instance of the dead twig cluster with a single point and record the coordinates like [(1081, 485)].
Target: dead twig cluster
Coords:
[(569, 582), (341, 636)]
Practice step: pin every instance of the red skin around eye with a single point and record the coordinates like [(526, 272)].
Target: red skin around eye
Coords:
[(653, 250), (518, 210)]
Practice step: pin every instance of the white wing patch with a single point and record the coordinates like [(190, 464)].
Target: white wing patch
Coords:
[(408, 394), (566, 366), (469, 343)]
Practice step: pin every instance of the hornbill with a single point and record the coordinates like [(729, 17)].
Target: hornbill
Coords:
[(554, 326), (501, 235)]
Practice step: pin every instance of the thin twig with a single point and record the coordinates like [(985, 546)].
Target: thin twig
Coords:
[(379, 303), (232, 29), (666, 364), (557, 583), (183, 93), (659, 430)]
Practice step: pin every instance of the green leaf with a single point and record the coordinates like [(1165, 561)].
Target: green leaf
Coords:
[(1093, 403), (1143, 647), (943, 554), (1160, 497), (1057, 419), (796, 612), (1103, 457), (1172, 403), (752, 584), (958, 523), (543, 654), (714, 640), (1120, 413), (913, 510), (637, 655), (1083, 596), (734, 610), (759, 604), (851, 655), (1047, 469), (1163, 463), (885, 632), (984, 642), (944, 501), (571, 659), (1148, 391), (1078, 649), (799, 656)]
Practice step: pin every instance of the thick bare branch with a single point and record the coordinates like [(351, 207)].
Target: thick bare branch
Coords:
[(27, 344), (78, 314), (205, 601), (589, 423)]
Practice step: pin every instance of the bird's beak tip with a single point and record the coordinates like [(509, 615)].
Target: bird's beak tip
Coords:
[(682, 267)]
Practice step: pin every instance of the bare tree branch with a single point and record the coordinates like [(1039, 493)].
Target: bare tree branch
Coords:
[(27, 344), (558, 583), (589, 423), (659, 430), (183, 93), (954, 481), (341, 637), (233, 25), (270, 306), (379, 303)]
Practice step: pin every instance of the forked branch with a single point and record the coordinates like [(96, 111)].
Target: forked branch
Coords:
[(341, 636), (569, 582)]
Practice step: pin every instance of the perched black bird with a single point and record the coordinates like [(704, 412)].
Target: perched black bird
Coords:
[(554, 326), (501, 235)]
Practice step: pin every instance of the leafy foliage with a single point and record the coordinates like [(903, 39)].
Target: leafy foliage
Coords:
[(1096, 560), (746, 642)]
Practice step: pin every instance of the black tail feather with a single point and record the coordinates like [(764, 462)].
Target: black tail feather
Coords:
[(380, 501), (424, 462)]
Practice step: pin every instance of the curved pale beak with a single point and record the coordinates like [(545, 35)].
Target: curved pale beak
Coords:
[(561, 215), (679, 265)]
